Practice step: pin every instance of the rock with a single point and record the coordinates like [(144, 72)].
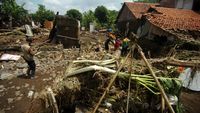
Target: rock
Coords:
[(1, 90), (10, 100), (10, 82), (17, 93), (18, 88), (6, 75), (18, 98), (21, 65), (12, 87), (36, 95), (1, 86), (26, 85), (8, 108), (30, 94), (19, 72)]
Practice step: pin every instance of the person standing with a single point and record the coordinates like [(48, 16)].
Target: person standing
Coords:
[(125, 45), (111, 38), (28, 54)]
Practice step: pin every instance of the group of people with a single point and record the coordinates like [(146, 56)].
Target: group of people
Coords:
[(28, 53), (119, 44)]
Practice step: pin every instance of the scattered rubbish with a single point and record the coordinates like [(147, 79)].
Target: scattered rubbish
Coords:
[(30, 94), (10, 57)]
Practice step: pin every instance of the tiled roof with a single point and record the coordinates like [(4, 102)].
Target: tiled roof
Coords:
[(138, 9), (171, 18), (166, 18)]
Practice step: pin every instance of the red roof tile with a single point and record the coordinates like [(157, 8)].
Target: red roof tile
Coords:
[(138, 9), (171, 18)]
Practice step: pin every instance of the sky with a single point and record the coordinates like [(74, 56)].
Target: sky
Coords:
[(63, 5)]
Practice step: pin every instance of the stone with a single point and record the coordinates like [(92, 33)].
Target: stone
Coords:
[(1, 86), (1, 90), (10, 82), (10, 100), (19, 72), (36, 95), (6, 76), (17, 93), (18, 88), (26, 85), (21, 65), (30, 94), (18, 98)]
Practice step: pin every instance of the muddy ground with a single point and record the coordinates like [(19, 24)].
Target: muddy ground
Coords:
[(18, 93)]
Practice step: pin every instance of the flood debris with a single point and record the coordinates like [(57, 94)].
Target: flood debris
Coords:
[(149, 65)]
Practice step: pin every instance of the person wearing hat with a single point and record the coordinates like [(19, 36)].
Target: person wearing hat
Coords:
[(28, 54)]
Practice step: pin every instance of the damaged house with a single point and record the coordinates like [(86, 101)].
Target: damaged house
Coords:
[(158, 26)]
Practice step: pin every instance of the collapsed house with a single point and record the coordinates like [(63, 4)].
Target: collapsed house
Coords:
[(161, 26)]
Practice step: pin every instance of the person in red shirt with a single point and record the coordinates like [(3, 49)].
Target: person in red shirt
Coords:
[(117, 43)]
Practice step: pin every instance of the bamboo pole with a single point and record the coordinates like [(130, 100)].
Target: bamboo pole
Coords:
[(162, 104), (155, 78), (128, 96), (129, 84), (112, 80)]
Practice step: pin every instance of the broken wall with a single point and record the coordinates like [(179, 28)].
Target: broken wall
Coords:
[(67, 31)]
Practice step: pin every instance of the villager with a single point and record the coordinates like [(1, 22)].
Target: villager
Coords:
[(117, 44), (125, 45), (111, 38), (28, 54)]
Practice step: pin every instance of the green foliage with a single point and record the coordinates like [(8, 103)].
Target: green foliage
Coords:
[(101, 13), (43, 14), (112, 15), (74, 14), (101, 17), (88, 17), (11, 8)]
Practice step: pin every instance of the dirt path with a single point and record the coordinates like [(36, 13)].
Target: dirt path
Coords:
[(15, 98)]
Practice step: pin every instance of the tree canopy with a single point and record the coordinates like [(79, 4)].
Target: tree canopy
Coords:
[(11, 8), (74, 13), (43, 14), (88, 17), (101, 13)]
